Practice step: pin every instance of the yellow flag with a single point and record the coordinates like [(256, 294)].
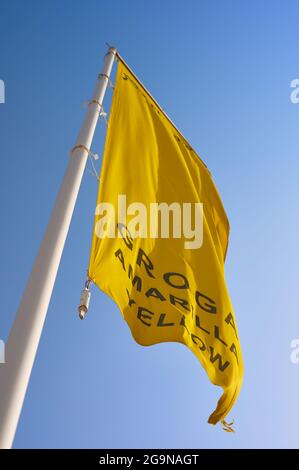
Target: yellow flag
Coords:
[(168, 281)]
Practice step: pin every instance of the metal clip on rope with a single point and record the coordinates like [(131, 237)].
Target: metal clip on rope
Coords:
[(84, 300)]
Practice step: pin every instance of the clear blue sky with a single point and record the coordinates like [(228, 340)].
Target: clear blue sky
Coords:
[(222, 71)]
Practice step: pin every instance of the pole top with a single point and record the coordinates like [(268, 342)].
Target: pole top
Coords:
[(111, 49)]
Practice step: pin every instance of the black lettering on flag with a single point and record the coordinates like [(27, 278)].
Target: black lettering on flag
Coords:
[(230, 321), (178, 284), (197, 323), (131, 301), (142, 258), (183, 323), (218, 358), (125, 235), (209, 306), (153, 292), (199, 342), (119, 254), (161, 321), (182, 302), (233, 349), (217, 335), (135, 280), (141, 316)]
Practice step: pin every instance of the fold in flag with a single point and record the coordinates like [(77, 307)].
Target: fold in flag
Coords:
[(166, 288)]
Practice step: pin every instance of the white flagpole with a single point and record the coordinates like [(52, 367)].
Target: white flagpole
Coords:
[(27, 328)]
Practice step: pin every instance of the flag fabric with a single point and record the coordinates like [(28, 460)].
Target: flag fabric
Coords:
[(165, 290)]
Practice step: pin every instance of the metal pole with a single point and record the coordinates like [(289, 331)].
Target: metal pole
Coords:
[(27, 328)]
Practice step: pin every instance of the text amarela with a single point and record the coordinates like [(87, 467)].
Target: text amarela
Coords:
[(197, 330)]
